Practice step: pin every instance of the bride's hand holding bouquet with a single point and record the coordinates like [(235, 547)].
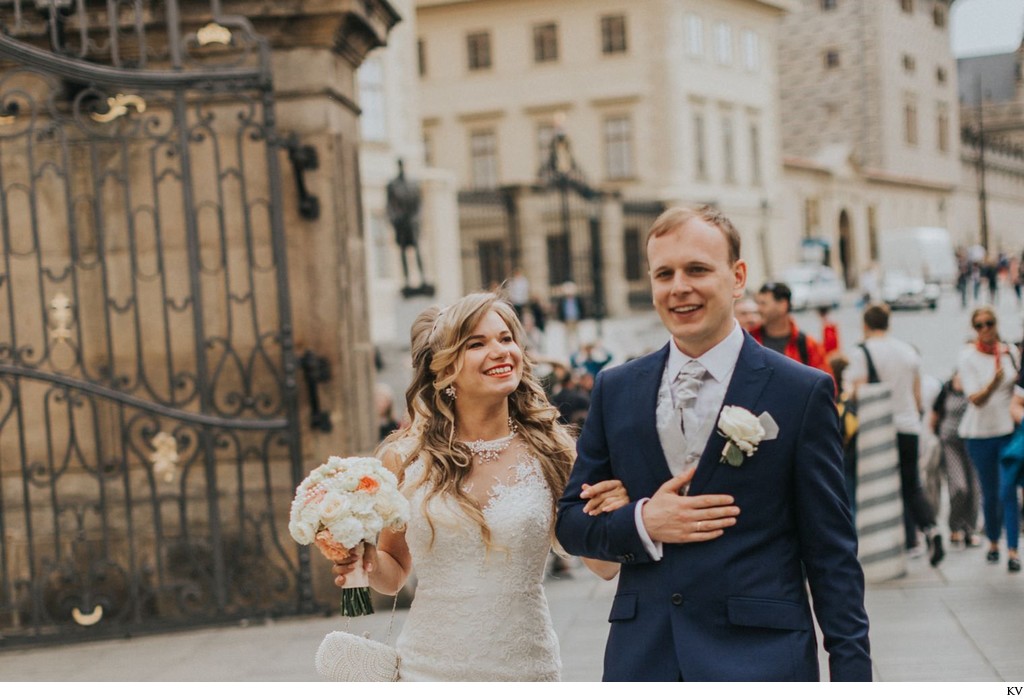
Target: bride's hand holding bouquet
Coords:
[(342, 507)]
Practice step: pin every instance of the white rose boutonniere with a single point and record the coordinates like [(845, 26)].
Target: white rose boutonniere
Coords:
[(743, 432)]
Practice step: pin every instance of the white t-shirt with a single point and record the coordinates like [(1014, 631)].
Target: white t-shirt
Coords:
[(976, 371), (897, 364)]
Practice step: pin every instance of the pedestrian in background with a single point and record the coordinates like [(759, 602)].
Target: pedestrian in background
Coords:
[(886, 359), (778, 330), (988, 371), (745, 310), (955, 466)]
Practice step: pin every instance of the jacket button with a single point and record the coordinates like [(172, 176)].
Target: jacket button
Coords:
[(677, 599)]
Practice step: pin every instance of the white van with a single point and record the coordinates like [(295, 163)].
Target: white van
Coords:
[(924, 252)]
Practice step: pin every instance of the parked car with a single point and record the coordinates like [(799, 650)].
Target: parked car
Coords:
[(813, 286), (903, 291)]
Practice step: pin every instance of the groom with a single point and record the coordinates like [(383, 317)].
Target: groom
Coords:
[(715, 560)]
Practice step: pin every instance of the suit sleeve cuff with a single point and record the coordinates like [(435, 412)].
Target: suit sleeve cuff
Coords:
[(654, 549)]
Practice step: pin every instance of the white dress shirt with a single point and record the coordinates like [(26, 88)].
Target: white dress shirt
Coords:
[(681, 454)]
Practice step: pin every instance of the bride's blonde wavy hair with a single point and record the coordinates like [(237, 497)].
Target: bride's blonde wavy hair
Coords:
[(438, 346)]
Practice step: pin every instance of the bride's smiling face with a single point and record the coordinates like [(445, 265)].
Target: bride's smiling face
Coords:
[(492, 362)]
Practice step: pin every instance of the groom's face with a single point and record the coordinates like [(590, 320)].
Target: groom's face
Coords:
[(695, 284)]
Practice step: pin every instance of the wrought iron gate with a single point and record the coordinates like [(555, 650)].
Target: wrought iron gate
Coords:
[(149, 439)]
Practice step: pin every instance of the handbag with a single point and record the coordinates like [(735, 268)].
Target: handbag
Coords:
[(348, 657)]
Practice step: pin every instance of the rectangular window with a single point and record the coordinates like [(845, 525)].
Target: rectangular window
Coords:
[(907, 6), (428, 148), (755, 154), (909, 64), (939, 15), (942, 125), (910, 122), (545, 43), (559, 264), (940, 75), (478, 49), (613, 34), (831, 59), (545, 134), (421, 56), (723, 44), (492, 262), (728, 149), (811, 218), (827, 5), (634, 262), (618, 147), (694, 36), (700, 164), (751, 50), (483, 158), (373, 120)]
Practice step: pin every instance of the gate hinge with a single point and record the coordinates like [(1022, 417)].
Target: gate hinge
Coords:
[(304, 158), (317, 371)]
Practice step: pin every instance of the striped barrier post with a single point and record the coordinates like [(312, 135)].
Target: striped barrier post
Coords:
[(882, 550)]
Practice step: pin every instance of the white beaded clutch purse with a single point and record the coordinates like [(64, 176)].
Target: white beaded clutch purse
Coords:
[(348, 657)]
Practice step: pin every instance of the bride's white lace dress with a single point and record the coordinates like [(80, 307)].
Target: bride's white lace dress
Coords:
[(481, 615)]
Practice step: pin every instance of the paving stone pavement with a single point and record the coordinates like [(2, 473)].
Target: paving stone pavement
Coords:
[(962, 621)]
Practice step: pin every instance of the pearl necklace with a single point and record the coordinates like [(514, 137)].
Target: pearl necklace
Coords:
[(490, 450)]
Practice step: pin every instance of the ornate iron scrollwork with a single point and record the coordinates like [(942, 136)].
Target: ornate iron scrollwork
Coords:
[(87, 619), (317, 371), (304, 158), (165, 456), (213, 33), (61, 315), (118, 107)]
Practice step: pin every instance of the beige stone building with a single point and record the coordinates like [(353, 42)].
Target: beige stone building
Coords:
[(992, 182), (870, 125), (666, 102)]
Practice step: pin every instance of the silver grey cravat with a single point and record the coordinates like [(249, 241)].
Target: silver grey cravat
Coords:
[(684, 394)]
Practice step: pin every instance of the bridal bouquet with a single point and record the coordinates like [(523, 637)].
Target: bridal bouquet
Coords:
[(344, 504)]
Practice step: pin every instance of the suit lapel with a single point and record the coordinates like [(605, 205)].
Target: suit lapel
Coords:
[(745, 388), (645, 398)]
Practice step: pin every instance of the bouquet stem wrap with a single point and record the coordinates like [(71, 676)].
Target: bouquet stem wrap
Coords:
[(355, 594)]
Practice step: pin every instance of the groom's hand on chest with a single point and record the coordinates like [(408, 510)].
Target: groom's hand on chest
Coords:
[(672, 518)]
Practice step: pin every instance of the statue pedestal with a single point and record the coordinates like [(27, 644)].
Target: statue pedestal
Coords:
[(424, 290)]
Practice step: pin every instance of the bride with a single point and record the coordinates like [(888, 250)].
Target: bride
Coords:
[(482, 464)]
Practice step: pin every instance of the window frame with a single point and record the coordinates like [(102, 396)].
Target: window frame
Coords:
[(373, 107), (479, 51), (910, 119), (724, 49), (700, 132), (614, 38), (478, 156), (545, 42), (619, 147), (694, 35)]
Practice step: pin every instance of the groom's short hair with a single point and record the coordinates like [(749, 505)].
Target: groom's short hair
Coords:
[(674, 218)]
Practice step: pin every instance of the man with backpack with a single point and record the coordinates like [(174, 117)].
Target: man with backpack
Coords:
[(881, 358), (779, 332)]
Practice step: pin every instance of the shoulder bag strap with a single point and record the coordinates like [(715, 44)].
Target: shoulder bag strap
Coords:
[(872, 372)]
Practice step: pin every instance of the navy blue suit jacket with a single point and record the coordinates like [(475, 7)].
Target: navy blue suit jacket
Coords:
[(734, 608)]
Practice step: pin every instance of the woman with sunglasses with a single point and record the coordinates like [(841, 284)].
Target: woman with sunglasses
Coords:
[(988, 370)]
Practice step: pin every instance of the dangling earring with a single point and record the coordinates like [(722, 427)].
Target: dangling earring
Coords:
[(449, 391)]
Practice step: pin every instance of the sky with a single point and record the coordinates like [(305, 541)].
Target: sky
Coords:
[(983, 27)]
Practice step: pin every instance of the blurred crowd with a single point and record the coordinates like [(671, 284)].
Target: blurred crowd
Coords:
[(959, 440)]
